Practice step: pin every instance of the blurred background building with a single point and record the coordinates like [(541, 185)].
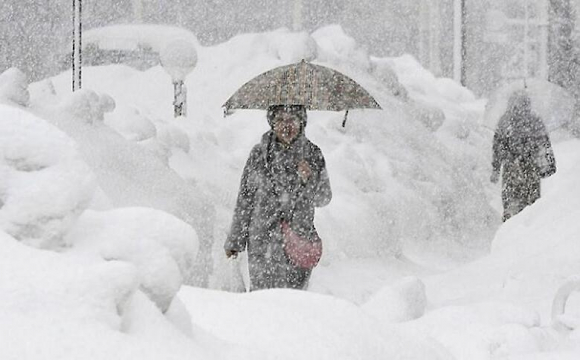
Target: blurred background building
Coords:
[(504, 39)]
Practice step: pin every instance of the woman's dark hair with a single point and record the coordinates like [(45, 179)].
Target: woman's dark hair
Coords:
[(299, 110), (519, 102)]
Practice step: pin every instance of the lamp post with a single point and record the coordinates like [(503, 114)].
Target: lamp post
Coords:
[(77, 44), (459, 44), (179, 59)]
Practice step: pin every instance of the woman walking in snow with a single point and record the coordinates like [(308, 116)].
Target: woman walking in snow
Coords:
[(284, 179)]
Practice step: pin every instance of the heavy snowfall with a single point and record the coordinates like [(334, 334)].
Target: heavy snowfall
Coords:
[(114, 211)]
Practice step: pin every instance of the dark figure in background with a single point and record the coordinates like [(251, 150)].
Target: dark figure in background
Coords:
[(284, 178), (522, 145)]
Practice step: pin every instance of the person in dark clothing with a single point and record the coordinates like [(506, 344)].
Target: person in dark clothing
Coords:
[(285, 178), (520, 145)]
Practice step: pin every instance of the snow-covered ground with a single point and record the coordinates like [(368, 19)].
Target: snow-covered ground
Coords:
[(113, 216)]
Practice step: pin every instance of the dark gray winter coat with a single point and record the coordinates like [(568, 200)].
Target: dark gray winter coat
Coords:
[(271, 190), (518, 141)]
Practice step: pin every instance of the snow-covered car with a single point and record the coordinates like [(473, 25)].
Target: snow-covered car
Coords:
[(136, 45)]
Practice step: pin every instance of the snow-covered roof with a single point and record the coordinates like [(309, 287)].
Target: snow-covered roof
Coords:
[(131, 36)]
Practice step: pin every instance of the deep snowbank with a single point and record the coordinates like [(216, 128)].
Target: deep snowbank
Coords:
[(117, 271), (44, 184), (159, 245), (292, 324), (133, 175), (533, 255), (401, 185), (59, 306)]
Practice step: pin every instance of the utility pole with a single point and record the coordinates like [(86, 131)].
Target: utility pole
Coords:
[(459, 42), (77, 45)]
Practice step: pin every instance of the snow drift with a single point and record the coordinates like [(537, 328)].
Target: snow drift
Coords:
[(130, 187)]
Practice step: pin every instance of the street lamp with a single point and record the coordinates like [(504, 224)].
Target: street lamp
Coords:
[(459, 43), (77, 44), (178, 59)]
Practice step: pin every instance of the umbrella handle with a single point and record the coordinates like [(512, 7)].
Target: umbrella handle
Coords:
[(344, 120)]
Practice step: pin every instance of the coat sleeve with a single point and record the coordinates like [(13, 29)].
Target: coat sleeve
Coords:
[(239, 232), (319, 190), (497, 151), (548, 154)]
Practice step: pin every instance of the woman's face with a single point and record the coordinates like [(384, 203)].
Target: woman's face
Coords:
[(286, 127)]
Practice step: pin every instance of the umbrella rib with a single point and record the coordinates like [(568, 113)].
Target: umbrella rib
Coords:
[(314, 97), (304, 84), (287, 81), (280, 89), (307, 89)]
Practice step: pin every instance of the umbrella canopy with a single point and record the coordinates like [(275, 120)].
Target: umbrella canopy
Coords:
[(552, 103), (314, 86)]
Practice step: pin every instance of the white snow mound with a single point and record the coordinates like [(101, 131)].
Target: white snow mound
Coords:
[(161, 247), (44, 184)]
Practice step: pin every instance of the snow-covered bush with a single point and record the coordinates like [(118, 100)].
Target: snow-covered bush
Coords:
[(161, 247), (44, 184), (14, 87)]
